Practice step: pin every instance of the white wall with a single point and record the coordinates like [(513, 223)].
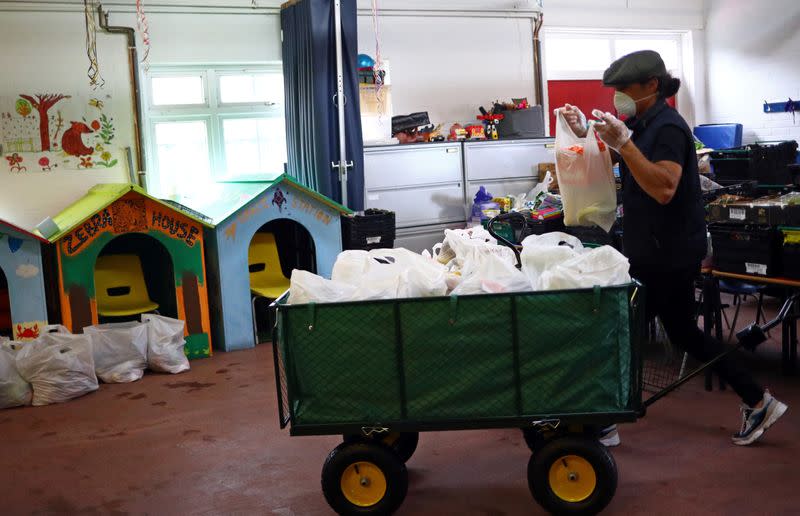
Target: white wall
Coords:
[(752, 54), (449, 66), (448, 63), (626, 14), (44, 51)]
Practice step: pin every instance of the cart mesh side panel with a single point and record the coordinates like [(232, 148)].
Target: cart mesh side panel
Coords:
[(575, 352), (458, 358), (489, 357), (341, 363)]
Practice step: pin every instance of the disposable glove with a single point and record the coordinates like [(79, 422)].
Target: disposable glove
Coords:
[(611, 130), (575, 119)]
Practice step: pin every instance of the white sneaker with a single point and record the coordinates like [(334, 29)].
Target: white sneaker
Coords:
[(756, 422), (609, 436)]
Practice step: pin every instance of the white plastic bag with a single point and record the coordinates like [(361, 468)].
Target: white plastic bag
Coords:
[(165, 344), (119, 351), (389, 273), (600, 267), (58, 365), (306, 287), (543, 252), (488, 272), (585, 178), (413, 274), (14, 390)]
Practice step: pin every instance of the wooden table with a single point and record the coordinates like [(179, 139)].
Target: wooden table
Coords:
[(713, 311)]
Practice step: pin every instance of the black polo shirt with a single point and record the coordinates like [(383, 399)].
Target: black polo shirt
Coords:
[(667, 236)]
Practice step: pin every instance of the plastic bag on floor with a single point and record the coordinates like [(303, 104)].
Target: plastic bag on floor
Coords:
[(600, 267), (58, 365), (14, 390), (119, 351), (585, 178), (306, 287), (543, 252), (165, 344)]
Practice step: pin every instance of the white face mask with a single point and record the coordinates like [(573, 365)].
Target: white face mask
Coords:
[(625, 105)]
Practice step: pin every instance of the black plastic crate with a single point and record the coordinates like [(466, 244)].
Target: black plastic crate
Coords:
[(540, 227), (595, 236), (768, 164), (374, 229), (746, 249)]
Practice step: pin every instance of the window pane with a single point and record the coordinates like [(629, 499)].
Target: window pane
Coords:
[(260, 87), (667, 48), (173, 91), (254, 145), (578, 54), (182, 149)]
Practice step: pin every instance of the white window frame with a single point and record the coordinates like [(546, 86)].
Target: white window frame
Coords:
[(213, 111), (611, 37), (686, 104)]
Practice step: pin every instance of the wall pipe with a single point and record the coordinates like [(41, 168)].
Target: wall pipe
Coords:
[(133, 69), (537, 60)]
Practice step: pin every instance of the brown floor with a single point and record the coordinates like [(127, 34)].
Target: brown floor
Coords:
[(207, 442)]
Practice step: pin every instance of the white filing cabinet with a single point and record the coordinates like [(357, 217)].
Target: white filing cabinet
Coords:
[(423, 184), (505, 167)]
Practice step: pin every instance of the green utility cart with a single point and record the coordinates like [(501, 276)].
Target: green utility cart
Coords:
[(559, 365)]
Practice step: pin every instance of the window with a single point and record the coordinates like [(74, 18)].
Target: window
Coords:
[(214, 124), (577, 55), (576, 59)]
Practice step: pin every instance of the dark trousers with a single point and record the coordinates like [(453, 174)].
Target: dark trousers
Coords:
[(671, 296)]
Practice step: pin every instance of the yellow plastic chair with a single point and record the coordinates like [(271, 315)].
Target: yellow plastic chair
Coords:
[(119, 286), (266, 276)]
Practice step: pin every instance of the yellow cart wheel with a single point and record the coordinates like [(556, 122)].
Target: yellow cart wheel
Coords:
[(573, 475), (404, 444), (364, 478)]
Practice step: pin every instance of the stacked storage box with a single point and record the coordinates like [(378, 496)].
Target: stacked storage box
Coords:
[(766, 163), (748, 238)]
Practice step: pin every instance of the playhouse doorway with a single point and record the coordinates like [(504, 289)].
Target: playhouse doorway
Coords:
[(142, 279), (277, 248), (6, 326)]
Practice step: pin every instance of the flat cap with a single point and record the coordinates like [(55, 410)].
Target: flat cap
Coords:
[(635, 67)]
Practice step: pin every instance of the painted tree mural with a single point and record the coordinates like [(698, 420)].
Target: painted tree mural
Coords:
[(42, 104)]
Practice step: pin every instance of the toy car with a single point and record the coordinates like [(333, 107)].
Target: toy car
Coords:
[(475, 132)]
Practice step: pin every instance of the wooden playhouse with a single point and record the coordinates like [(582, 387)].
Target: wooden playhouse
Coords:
[(119, 231), (302, 226), (23, 307)]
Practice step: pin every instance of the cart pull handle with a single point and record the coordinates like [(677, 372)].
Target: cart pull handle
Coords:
[(503, 217)]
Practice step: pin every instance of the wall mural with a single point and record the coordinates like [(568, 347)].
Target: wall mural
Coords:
[(49, 132)]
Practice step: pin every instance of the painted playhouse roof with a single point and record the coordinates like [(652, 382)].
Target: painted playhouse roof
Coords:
[(14, 230), (222, 200), (97, 198)]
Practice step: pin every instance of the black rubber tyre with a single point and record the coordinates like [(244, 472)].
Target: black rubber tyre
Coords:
[(534, 439), (404, 444), (569, 489), (383, 466)]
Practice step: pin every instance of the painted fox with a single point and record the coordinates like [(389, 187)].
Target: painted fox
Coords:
[(72, 141)]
